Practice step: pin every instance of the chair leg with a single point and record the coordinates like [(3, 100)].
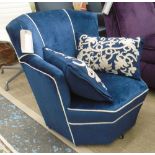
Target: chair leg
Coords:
[(121, 136), (12, 78)]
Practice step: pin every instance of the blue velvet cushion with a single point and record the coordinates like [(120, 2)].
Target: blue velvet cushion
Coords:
[(113, 55), (124, 99), (81, 79)]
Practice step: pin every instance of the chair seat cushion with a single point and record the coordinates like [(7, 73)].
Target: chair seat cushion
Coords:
[(81, 79), (127, 93)]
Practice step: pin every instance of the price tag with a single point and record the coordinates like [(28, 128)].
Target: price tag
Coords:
[(26, 41)]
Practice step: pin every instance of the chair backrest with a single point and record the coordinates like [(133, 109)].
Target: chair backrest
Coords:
[(55, 29)]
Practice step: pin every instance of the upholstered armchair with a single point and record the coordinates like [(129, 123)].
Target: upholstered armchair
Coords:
[(80, 120)]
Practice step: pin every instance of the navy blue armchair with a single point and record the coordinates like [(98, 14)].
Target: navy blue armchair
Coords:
[(80, 120)]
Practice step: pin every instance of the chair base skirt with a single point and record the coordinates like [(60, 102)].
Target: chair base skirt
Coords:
[(102, 133)]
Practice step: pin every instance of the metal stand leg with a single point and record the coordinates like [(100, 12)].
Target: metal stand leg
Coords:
[(9, 67), (12, 78)]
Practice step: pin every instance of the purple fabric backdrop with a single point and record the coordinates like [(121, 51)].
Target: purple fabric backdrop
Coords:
[(131, 20)]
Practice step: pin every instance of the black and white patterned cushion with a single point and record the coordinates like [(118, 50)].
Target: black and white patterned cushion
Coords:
[(112, 55)]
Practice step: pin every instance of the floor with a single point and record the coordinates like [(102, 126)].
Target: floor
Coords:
[(140, 138), (26, 135), (4, 148)]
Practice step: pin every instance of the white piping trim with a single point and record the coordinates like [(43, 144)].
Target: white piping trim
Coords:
[(49, 49), (58, 95), (71, 26), (15, 51), (24, 55), (95, 123), (109, 111), (36, 28)]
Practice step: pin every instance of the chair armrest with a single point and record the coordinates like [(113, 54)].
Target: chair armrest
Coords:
[(50, 72)]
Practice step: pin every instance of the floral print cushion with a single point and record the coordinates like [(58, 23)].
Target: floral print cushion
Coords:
[(112, 55)]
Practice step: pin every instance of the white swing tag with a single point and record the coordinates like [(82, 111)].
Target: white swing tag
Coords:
[(26, 41), (107, 7)]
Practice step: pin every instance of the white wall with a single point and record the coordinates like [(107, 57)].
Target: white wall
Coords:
[(9, 11)]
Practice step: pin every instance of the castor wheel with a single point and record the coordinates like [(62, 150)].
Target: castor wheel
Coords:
[(121, 137)]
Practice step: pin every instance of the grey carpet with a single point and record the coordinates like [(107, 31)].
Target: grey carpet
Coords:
[(26, 135), (3, 148)]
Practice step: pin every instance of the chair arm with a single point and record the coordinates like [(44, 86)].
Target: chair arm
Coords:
[(50, 72)]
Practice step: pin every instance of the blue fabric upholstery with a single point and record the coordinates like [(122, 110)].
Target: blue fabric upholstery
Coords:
[(49, 28), (88, 24), (122, 93), (56, 29), (44, 79), (80, 78), (101, 133)]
